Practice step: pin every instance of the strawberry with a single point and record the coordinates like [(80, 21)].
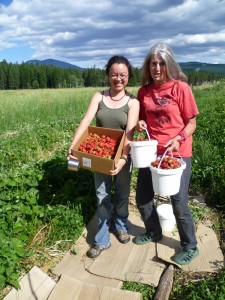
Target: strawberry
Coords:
[(167, 163), (102, 146)]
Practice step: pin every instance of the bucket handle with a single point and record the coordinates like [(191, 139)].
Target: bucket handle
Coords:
[(164, 156), (148, 135)]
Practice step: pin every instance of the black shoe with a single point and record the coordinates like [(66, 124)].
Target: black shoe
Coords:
[(122, 236), (95, 251)]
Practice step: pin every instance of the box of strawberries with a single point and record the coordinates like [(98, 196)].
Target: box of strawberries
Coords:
[(99, 149)]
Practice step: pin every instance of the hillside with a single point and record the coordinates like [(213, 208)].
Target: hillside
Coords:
[(185, 66), (54, 62), (203, 67)]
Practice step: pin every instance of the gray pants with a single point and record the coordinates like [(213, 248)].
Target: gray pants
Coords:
[(146, 206)]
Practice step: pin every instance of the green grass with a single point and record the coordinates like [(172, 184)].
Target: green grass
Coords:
[(42, 203), (28, 108), (146, 290), (198, 286), (36, 190), (208, 168)]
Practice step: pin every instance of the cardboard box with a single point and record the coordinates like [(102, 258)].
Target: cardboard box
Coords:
[(96, 163)]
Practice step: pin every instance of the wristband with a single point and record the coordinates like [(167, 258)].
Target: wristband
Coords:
[(181, 141), (183, 135), (124, 157)]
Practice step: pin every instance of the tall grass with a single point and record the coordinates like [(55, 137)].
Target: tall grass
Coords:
[(27, 108), (208, 168), (38, 194)]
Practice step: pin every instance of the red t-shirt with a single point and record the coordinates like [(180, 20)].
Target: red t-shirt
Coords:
[(166, 110)]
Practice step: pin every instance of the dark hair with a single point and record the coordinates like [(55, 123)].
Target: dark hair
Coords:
[(118, 59)]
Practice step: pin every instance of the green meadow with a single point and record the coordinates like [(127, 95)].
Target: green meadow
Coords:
[(44, 206)]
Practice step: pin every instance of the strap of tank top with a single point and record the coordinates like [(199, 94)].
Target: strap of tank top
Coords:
[(128, 100), (103, 94)]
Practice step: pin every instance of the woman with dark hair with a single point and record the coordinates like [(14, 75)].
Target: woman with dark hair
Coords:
[(168, 110), (117, 109)]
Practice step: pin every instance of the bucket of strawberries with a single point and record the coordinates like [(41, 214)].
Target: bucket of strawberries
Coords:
[(143, 151), (166, 174)]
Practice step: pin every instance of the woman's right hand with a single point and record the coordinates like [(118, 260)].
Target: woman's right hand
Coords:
[(141, 126), (69, 153)]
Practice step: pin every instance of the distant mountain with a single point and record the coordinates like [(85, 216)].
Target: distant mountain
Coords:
[(54, 62), (185, 66), (203, 67)]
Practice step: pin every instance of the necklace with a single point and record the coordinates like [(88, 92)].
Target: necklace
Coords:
[(116, 99)]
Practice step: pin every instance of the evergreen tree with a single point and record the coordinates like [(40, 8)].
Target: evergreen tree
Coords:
[(4, 66), (25, 78), (56, 77), (35, 84), (49, 77), (1, 78), (42, 77), (13, 77)]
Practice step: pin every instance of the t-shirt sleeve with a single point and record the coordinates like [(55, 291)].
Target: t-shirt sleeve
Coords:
[(140, 97), (187, 103)]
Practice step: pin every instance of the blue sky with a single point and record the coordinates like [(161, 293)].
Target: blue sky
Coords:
[(5, 2), (86, 32)]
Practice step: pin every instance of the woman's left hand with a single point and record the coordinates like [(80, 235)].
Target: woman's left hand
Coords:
[(120, 164), (173, 144)]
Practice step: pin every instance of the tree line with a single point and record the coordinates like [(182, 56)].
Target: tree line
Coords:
[(35, 76)]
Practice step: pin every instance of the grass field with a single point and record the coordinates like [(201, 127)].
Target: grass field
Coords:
[(42, 203)]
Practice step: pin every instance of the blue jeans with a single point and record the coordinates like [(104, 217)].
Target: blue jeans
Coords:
[(145, 204), (103, 185)]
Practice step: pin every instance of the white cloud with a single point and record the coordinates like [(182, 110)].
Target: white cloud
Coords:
[(87, 33)]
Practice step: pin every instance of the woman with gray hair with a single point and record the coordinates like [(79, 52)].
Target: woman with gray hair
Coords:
[(168, 110)]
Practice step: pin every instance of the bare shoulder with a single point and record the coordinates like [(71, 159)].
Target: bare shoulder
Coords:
[(99, 94), (133, 100), (97, 97)]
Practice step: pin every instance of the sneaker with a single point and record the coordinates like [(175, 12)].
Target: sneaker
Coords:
[(96, 250), (145, 239), (122, 236), (186, 256)]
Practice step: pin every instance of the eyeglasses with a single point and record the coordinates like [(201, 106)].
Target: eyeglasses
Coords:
[(121, 76)]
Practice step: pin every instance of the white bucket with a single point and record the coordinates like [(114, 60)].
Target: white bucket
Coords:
[(166, 217), (166, 182), (143, 153)]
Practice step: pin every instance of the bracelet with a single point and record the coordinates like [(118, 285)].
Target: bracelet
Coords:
[(181, 141), (124, 157), (183, 135)]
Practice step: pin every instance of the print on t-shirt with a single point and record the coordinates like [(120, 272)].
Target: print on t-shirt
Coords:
[(162, 111)]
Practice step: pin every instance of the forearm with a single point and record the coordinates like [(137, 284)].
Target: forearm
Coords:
[(128, 138), (189, 129), (79, 131), (131, 124)]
